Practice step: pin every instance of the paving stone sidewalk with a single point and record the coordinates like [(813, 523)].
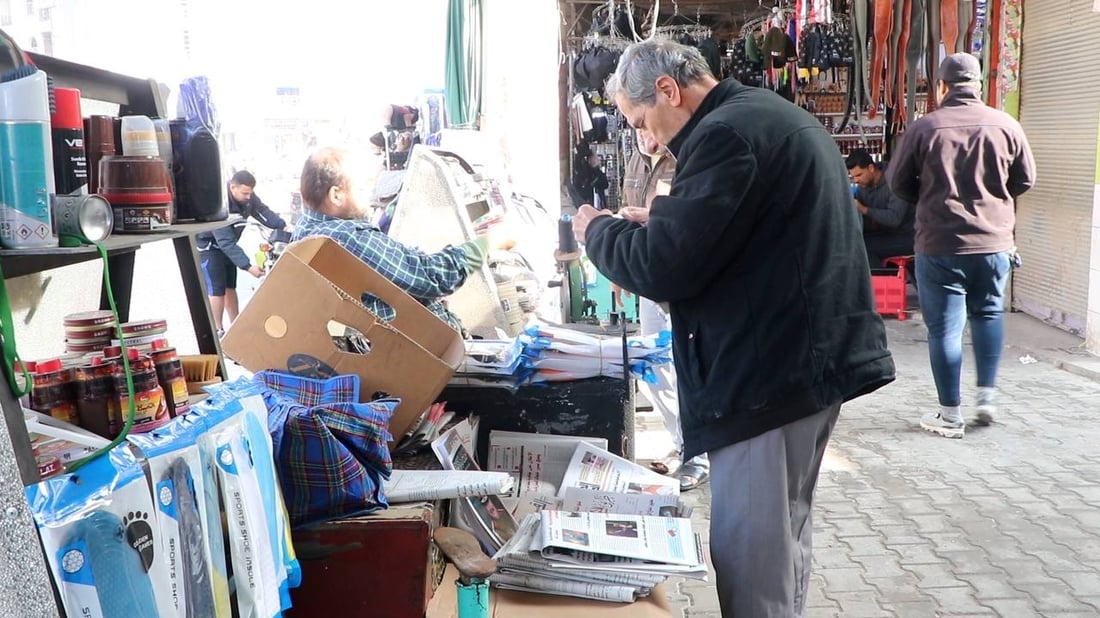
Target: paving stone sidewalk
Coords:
[(1005, 522)]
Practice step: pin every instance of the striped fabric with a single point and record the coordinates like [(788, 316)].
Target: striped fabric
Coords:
[(330, 450), (427, 277)]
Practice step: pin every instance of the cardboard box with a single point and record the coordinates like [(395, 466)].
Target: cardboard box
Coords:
[(286, 326), (511, 603)]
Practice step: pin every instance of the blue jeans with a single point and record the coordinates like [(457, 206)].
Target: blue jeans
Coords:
[(953, 289)]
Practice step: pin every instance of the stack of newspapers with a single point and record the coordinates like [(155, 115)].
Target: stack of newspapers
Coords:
[(603, 556)]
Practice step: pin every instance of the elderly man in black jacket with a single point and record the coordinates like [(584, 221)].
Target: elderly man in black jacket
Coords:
[(758, 251)]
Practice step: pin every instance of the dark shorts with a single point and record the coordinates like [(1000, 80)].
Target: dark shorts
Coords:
[(219, 273)]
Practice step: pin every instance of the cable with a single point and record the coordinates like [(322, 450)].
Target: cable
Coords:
[(132, 411)]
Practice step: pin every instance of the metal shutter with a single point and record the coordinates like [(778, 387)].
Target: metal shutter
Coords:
[(1059, 110)]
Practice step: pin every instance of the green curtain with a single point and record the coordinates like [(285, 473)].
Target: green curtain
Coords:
[(463, 81)]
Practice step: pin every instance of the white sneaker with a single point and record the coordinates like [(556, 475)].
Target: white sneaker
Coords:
[(935, 423), (984, 410)]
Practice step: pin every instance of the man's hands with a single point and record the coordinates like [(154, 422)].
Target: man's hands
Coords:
[(617, 294), (255, 271), (635, 214), (581, 220), (860, 207)]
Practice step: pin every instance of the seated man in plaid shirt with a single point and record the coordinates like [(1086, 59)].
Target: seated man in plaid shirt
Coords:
[(332, 210)]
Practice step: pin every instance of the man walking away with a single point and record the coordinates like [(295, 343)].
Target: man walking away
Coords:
[(964, 165)]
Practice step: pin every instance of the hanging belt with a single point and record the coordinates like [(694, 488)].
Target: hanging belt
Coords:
[(884, 24), (913, 53)]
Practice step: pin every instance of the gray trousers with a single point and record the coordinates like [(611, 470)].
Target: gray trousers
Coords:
[(761, 528)]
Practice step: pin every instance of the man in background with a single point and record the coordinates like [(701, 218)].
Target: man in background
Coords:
[(335, 209), (648, 174), (888, 219), (964, 165), (221, 256)]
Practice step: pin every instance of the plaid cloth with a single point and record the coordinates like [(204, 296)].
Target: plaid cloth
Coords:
[(330, 450), (427, 277)]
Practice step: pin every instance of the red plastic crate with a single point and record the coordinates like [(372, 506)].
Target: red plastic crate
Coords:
[(889, 287)]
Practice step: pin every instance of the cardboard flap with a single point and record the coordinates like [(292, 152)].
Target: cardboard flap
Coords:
[(286, 326), (354, 277)]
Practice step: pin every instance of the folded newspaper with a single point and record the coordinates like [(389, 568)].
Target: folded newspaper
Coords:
[(570, 473), (484, 516), (617, 558), (422, 485)]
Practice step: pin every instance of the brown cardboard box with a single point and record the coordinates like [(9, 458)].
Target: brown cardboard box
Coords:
[(285, 327), (510, 604)]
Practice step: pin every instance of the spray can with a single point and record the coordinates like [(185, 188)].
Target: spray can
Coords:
[(26, 161), (70, 165)]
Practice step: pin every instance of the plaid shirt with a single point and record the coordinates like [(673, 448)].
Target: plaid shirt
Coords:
[(426, 277)]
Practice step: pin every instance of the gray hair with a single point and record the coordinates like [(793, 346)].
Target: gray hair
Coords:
[(643, 63)]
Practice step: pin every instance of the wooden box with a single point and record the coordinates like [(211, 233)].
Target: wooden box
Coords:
[(382, 564)]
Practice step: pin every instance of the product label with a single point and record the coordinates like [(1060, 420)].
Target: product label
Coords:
[(26, 181), (139, 219), (179, 394), (149, 407), (70, 167), (77, 581)]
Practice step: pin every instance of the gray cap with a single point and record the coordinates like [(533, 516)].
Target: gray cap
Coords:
[(960, 67)]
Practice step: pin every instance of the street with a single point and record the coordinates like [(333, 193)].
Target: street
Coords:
[(1005, 522)]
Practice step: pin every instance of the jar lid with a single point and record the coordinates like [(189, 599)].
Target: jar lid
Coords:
[(144, 327), (89, 318), (48, 366), (86, 334), (84, 348)]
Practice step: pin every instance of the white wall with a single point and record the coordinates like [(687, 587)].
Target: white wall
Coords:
[(520, 97)]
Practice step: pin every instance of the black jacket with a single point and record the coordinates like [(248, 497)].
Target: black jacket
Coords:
[(759, 252), (226, 238)]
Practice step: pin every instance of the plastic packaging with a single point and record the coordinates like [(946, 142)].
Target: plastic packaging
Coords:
[(99, 539), (250, 548), (176, 470), (206, 490)]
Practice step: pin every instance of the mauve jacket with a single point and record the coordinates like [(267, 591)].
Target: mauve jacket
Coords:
[(964, 165)]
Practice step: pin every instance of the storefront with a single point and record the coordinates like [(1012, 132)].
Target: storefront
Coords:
[(1056, 221)]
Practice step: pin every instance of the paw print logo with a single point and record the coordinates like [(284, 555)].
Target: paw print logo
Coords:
[(226, 457), (72, 561), (139, 534)]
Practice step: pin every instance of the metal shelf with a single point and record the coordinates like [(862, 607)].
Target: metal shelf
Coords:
[(17, 263)]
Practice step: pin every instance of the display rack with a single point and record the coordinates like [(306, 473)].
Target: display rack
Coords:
[(25, 585)]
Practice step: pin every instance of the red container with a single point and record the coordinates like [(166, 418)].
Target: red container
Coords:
[(889, 287)]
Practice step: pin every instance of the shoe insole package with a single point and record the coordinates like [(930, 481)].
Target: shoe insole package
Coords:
[(254, 559), (176, 471), (99, 534), (248, 396)]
